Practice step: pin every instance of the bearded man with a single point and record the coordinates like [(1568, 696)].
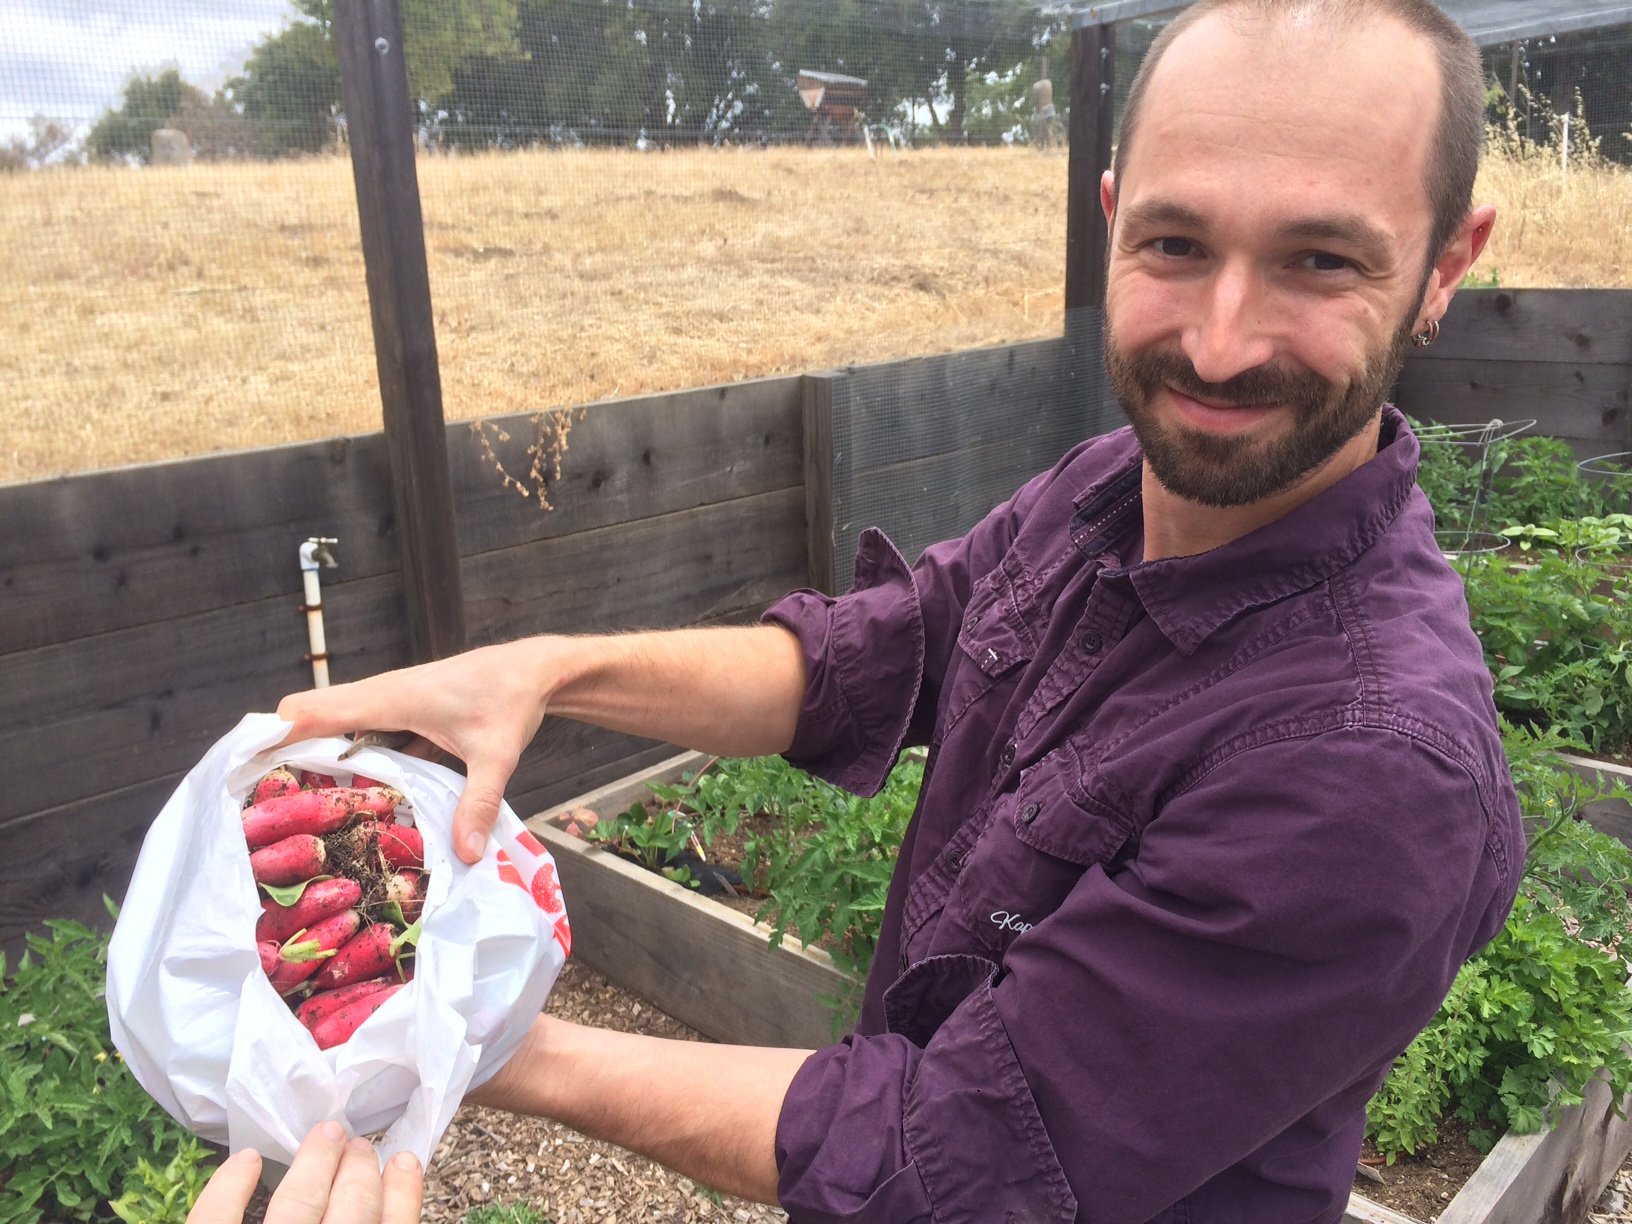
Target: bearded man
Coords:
[(1215, 806)]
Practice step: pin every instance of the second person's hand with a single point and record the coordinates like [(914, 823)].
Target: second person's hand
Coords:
[(331, 1181)]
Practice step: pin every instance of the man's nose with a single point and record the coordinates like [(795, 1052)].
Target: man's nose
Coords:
[(1232, 335)]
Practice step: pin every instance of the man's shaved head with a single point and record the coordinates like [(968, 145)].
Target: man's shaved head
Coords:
[(1459, 127)]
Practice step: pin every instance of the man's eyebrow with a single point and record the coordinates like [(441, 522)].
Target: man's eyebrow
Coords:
[(1346, 230), (1159, 213)]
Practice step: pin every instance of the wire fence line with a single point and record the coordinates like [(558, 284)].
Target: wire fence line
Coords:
[(619, 197)]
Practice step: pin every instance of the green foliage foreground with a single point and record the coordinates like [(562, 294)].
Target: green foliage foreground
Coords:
[(80, 1139)]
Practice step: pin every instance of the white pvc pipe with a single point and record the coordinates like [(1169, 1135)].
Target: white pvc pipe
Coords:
[(314, 554)]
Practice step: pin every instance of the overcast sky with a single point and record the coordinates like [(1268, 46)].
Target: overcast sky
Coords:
[(69, 59)]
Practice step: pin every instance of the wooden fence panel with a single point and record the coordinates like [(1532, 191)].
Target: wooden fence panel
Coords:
[(629, 459), (970, 427), (1580, 326), (1586, 405), (675, 569), (157, 605), (103, 551), (107, 711), (60, 862)]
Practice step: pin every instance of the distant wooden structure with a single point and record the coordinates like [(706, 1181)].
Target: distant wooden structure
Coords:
[(837, 104)]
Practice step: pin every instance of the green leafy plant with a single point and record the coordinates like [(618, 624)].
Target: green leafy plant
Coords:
[(1518, 480), (652, 839), (79, 1138), (1606, 537), (1544, 1008), (155, 1195), (1557, 636), (504, 1213), (822, 857)]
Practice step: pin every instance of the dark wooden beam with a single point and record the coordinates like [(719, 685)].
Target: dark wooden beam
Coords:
[(380, 125), (1093, 103)]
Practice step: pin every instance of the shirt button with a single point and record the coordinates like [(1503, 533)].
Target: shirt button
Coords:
[(957, 863), (1091, 641), (1007, 758), (969, 625), (1029, 814)]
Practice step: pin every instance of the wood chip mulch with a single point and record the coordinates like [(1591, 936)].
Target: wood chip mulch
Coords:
[(490, 1157)]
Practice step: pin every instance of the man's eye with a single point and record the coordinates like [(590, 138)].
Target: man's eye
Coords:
[(1175, 248), (1325, 261)]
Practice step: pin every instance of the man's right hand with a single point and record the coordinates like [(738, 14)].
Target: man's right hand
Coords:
[(483, 707), (732, 691)]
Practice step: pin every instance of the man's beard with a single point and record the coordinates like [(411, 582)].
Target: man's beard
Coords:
[(1223, 471)]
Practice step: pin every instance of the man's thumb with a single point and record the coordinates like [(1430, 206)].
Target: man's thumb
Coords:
[(478, 811)]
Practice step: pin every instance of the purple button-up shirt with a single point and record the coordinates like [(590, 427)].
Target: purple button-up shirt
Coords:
[(1201, 845)]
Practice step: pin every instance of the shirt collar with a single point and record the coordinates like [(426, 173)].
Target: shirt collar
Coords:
[(1190, 598)]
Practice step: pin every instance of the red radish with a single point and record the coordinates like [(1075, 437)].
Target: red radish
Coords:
[(368, 954), (307, 951), (314, 812), (362, 783), (407, 890), (269, 955), (321, 899), (317, 811), (315, 781), (377, 801), (341, 1024), (325, 1003), (402, 846), (279, 782), (289, 861)]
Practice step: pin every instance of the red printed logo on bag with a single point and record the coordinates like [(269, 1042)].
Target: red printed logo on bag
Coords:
[(563, 935), (546, 891), (508, 872)]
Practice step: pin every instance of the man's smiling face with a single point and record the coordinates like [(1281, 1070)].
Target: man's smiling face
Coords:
[(1269, 247)]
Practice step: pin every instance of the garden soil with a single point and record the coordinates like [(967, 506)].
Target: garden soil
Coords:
[(490, 1157)]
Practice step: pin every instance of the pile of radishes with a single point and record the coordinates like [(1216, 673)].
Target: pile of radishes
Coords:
[(344, 887)]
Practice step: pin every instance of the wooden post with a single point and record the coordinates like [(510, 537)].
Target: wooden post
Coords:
[(1093, 103), (817, 394), (379, 120)]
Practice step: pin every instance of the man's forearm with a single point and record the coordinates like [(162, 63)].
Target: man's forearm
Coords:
[(708, 1111), (728, 691)]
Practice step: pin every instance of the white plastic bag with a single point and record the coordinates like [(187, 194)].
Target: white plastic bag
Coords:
[(204, 1031)]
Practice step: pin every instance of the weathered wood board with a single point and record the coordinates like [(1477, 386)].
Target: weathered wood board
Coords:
[(102, 551), (1612, 816), (1552, 1177)]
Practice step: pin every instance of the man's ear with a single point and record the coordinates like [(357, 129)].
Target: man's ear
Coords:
[(1455, 260), (1107, 196)]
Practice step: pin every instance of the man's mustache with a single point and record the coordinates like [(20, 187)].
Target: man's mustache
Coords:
[(1261, 385)]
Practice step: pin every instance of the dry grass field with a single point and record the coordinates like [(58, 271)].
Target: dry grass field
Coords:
[(159, 313)]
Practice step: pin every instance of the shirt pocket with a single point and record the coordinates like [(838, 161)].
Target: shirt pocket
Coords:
[(994, 643), (1042, 838)]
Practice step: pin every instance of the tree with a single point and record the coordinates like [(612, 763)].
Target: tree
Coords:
[(47, 141), (149, 103), (439, 35), (290, 90)]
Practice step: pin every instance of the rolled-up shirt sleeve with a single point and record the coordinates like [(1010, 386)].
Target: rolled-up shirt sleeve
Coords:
[(1289, 922)]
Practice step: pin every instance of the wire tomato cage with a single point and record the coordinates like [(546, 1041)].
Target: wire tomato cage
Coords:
[(1463, 531), (1609, 547)]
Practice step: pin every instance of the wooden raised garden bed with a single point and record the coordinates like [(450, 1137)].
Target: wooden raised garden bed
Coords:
[(711, 967), (701, 962)]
